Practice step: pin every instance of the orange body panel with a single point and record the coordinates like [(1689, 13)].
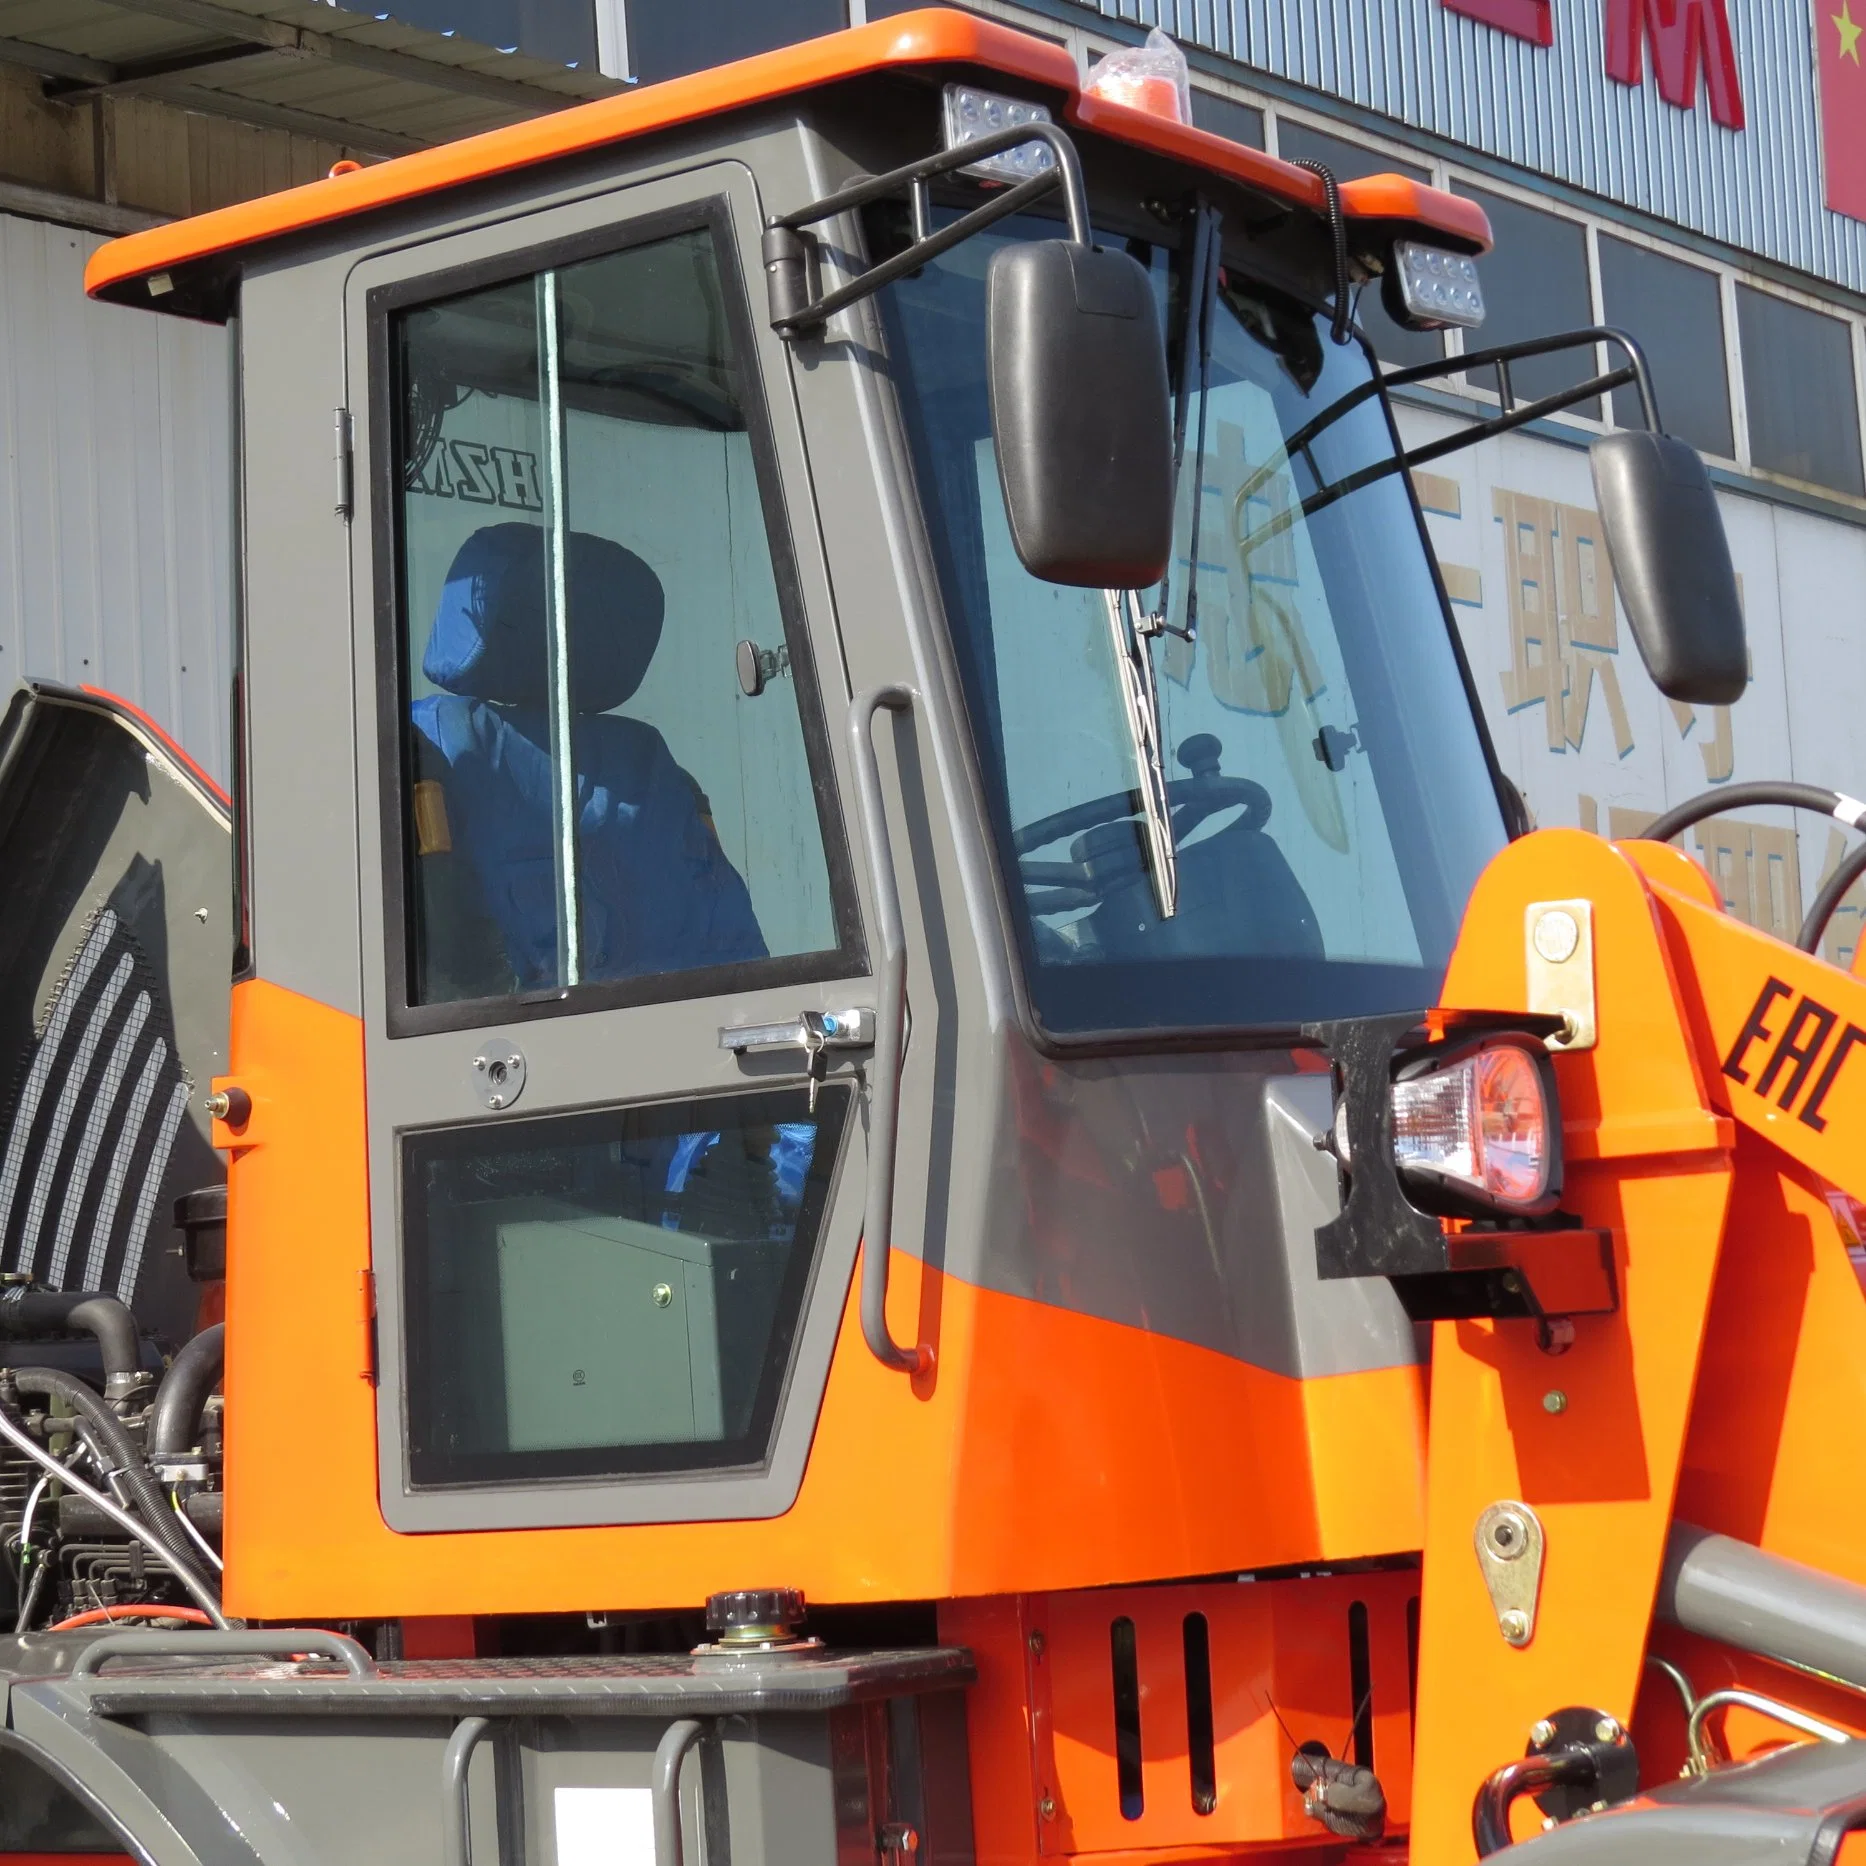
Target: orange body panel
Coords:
[(936, 36), (1778, 1429), (1045, 1779), (1601, 1471), (1278, 1650), (1399, 198), (1049, 1449)]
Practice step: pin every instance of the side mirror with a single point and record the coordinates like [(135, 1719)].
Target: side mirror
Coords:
[(1672, 563), (1080, 414)]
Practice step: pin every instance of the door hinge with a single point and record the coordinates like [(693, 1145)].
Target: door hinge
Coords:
[(346, 463)]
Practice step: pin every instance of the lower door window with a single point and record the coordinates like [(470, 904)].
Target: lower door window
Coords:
[(610, 1292)]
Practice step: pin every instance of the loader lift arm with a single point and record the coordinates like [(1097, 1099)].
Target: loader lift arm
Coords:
[(1723, 1099)]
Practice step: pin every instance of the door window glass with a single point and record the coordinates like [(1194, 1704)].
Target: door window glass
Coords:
[(593, 791), (668, 41), (1798, 388), (1225, 116), (598, 1294), (1676, 312), (1535, 285)]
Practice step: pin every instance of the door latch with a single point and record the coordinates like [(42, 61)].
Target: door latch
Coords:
[(813, 1032)]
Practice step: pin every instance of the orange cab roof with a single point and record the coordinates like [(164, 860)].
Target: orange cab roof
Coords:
[(124, 269)]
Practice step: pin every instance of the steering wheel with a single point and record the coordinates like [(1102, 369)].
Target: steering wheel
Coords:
[(1834, 803), (1089, 873)]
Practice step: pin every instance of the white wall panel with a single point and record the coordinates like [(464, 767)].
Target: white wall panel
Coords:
[(114, 493), (1596, 736)]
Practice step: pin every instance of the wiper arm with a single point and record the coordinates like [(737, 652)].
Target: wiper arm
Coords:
[(1130, 627), (1141, 697), (1195, 342)]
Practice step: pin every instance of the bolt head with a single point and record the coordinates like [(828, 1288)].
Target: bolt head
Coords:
[(1036, 1643), (1598, 1807), (1607, 1731), (1541, 1732), (1555, 1400), (1514, 1625), (663, 1295), (1047, 1808), (1557, 934)]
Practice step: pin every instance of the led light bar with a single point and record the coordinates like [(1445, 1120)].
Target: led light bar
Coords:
[(971, 113), (1437, 288)]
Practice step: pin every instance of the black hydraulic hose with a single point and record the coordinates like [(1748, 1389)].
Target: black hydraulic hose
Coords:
[(30, 1314), (174, 1424), (114, 1441), (1827, 902), (1842, 808), (1490, 1813)]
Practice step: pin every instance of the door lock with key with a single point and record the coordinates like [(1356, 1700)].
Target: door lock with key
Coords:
[(816, 1033)]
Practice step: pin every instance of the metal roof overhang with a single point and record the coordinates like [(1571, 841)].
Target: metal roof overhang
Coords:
[(372, 85)]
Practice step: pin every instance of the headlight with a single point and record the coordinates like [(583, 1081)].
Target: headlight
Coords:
[(1478, 1131)]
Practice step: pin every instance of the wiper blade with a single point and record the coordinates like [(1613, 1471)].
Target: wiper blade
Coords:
[(1141, 697)]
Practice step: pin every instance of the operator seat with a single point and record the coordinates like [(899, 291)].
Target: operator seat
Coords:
[(657, 892)]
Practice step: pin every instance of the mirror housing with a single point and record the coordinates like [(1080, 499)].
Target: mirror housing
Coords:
[(1081, 414), (1671, 561)]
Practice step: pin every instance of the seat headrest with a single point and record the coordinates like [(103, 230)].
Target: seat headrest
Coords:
[(488, 638)]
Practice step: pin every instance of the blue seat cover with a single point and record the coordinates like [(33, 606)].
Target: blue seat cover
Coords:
[(657, 892)]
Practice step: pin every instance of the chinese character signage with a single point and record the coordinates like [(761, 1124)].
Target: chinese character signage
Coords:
[(1688, 41)]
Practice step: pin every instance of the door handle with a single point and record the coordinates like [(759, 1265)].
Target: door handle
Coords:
[(884, 1076), (808, 1030)]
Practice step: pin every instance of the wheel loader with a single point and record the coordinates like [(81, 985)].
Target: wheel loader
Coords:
[(921, 1167)]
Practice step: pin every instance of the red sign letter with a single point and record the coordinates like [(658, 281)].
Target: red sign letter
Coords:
[(1527, 19), (1685, 34)]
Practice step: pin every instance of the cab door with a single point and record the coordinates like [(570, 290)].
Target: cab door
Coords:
[(612, 1233)]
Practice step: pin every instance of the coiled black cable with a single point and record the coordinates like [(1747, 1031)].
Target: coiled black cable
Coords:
[(1343, 328)]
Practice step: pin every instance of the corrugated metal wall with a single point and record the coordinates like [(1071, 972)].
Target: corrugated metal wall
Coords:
[(114, 493), (1557, 113)]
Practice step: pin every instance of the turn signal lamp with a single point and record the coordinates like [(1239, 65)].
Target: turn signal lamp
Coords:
[(1435, 288), (971, 113), (1480, 1130)]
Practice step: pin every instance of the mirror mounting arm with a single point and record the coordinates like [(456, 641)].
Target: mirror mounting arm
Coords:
[(1512, 414), (786, 250)]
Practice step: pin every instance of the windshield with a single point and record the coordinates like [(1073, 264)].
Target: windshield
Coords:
[(1330, 799)]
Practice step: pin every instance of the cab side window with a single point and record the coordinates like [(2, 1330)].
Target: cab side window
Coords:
[(604, 768)]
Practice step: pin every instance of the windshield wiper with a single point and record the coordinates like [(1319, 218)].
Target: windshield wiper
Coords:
[(1133, 630), (1133, 655), (1195, 343)]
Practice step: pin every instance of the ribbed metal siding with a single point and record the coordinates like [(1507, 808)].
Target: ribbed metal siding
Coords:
[(1557, 113), (114, 501)]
